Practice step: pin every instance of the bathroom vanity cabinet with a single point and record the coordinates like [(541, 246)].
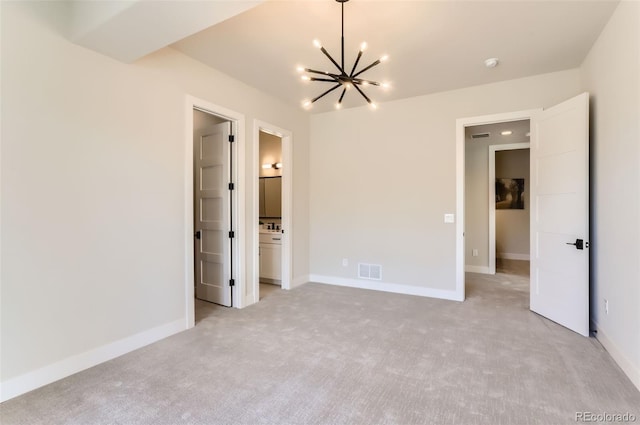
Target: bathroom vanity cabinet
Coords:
[(271, 256)]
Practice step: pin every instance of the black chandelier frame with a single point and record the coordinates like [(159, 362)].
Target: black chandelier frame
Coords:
[(341, 78)]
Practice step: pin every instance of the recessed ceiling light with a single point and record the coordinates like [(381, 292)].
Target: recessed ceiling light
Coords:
[(491, 62), (507, 133)]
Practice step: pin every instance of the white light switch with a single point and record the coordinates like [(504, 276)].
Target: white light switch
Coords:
[(449, 218)]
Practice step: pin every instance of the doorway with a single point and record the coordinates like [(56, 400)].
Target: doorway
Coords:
[(473, 187), (559, 228), (273, 230), (509, 203), (213, 208), (235, 215), (270, 212), (496, 200)]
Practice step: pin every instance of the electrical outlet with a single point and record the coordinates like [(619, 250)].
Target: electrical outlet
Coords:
[(474, 252), (606, 306), (345, 262)]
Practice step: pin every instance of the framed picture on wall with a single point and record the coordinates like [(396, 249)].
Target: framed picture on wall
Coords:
[(509, 194)]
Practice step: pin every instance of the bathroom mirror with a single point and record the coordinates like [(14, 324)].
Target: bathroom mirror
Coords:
[(270, 192)]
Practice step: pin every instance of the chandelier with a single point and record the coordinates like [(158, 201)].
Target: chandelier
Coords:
[(342, 79)]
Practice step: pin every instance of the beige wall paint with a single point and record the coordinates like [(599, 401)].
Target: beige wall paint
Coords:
[(512, 226), (381, 181), (611, 73), (93, 188)]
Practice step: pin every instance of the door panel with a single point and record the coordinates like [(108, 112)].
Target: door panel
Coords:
[(562, 221), (560, 198), (212, 214)]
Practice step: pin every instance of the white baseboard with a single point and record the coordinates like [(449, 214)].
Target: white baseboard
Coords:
[(386, 287), (30, 381), (477, 269), (631, 370), (511, 256), (299, 280)]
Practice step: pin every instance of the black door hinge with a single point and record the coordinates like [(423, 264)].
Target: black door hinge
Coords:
[(232, 282), (232, 234), (232, 138), (231, 186), (197, 235)]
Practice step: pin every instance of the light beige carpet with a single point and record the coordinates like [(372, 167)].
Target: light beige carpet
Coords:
[(332, 355)]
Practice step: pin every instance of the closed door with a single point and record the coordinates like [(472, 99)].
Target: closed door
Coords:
[(212, 214), (560, 214)]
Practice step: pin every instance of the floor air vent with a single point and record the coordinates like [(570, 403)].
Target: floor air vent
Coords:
[(369, 271)]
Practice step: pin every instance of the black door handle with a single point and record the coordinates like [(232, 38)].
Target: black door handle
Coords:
[(579, 244), (197, 235)]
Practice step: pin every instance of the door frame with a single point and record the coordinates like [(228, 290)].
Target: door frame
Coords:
[(237, 198), (287, 198), (492, 196), (461, 124)]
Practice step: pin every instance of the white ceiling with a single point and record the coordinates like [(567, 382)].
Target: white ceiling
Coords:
[(433, 45)]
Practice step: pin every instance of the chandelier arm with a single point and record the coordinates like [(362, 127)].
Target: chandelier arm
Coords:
[(327, 92), (325, 73), (323, 79), (377, 62), (355, 65), (344, 90), (362, 93), (323, 50), (361, 81)]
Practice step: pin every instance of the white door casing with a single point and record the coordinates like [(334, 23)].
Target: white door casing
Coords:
[(560, 213), (212, 214)]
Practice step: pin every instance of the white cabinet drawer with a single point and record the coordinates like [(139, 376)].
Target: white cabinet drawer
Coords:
[(273, 238)]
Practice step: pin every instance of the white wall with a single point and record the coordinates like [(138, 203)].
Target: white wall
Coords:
[(611, 73), (512, 226), (382, 180), (93, 195)]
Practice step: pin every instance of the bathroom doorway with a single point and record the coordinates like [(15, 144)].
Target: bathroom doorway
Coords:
[(270, 212), (273, 212)]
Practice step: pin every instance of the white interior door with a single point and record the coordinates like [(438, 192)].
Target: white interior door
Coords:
[(212, 214), (560, 214)]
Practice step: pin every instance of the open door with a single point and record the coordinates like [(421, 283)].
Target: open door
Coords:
[(560, 214), (213, 214)]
